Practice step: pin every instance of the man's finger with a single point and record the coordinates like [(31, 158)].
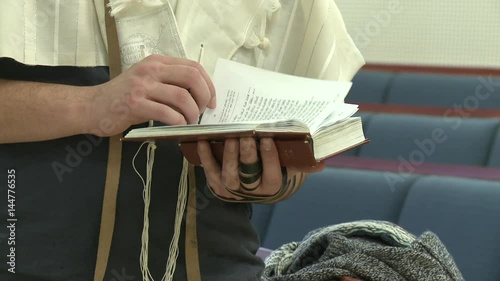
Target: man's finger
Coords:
[(189, 78), (178, 99), (150, 110), (272, 179), (248, 151), (230, 162), (212, 170), (181, 61)]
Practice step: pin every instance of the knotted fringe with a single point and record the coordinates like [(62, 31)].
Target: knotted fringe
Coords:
[(146, 195), (181, 207), (257, 37), (252, 41)]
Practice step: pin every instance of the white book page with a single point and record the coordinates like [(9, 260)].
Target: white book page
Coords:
[(341, 113), (246, 93)]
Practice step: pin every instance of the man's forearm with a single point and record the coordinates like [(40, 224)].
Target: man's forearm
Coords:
[(170, 90), (32, 111)]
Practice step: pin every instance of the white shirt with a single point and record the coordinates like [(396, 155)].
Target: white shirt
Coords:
[(299, 37)]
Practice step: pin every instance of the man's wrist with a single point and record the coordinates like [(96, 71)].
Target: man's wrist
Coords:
[(83, 111)]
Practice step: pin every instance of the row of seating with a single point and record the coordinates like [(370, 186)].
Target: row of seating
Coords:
[(431, 139), (435, 169), (459, 92), (403, 166), (462, 212)]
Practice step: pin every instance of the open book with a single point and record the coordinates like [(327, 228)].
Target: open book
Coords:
[(307, 118)]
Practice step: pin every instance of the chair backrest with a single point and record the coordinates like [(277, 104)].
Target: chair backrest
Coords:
[(369, 87), (459, 92), (467, 92), (416, 139), (464, 213), (333, 196)]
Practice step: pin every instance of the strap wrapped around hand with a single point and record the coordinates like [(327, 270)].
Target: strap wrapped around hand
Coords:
[(288, 188)]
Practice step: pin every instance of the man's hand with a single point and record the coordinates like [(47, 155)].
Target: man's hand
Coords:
[(245, 151), (171, 90), (166, 89)]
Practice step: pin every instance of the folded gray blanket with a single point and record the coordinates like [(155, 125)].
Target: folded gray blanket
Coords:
[(367, 250)]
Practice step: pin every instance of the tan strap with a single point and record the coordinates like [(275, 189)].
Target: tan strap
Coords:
[(114, 162), (192, 259)]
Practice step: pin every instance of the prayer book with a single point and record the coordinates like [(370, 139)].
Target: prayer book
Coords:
[(307, 118)]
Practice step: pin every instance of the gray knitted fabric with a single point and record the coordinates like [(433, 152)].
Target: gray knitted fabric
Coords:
[(368, 250)]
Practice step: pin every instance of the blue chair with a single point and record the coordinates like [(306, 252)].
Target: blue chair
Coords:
[(416, 139), (332, 196), (464, 213), (369, 87), (445, 90)]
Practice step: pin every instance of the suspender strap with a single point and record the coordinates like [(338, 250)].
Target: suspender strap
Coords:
[(114, 162), (192, 259)]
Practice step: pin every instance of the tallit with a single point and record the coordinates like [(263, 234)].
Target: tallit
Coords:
[(300, 37)]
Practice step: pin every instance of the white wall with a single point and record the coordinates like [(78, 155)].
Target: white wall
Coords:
[(461, 33)]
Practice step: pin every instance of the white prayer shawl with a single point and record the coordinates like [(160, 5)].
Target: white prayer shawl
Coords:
[(299, 37)]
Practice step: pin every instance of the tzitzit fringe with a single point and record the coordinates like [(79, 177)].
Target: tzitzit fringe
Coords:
[(180, 209)]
